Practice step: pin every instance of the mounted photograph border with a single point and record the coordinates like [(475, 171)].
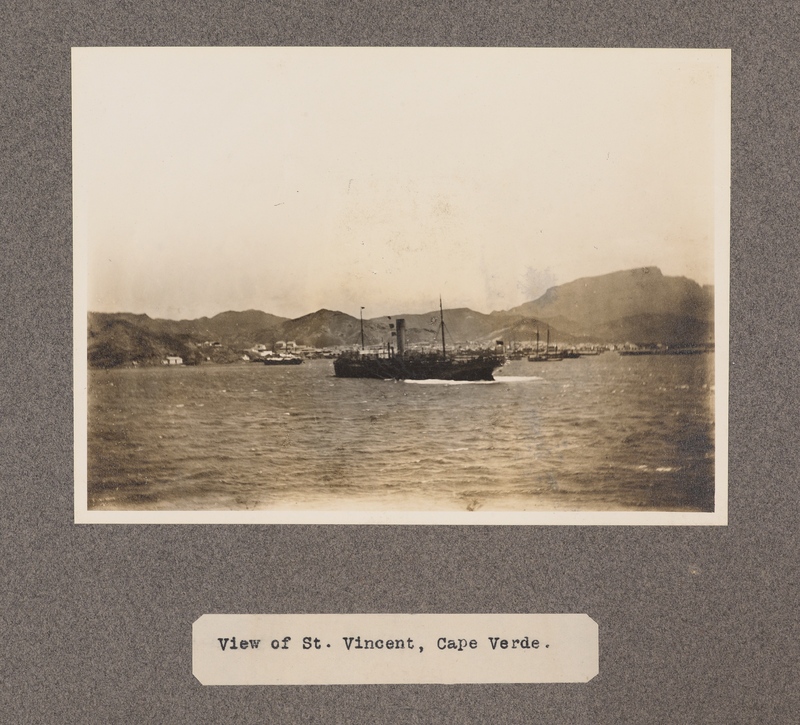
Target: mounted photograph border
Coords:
[(721, 256)]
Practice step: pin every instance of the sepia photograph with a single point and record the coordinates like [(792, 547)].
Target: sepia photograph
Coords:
[(401, 285)]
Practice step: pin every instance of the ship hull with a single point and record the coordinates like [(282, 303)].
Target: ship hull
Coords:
[(478, 369)]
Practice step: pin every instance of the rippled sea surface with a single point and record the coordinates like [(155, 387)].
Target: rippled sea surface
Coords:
[(605, 433)]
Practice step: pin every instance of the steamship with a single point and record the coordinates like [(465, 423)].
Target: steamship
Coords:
[(403, 364)]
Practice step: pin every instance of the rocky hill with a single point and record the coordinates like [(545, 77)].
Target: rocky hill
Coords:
[(118, 340), (327, 328), (593, 306)]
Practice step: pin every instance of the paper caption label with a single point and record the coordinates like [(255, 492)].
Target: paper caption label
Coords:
[(349, 649)]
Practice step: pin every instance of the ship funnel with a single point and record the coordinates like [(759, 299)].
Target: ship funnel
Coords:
[(401, 336)]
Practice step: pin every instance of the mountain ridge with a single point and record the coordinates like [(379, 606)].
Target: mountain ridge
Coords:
[(640, 306), (588, 302)]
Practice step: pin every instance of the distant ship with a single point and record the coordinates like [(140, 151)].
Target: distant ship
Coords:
[(549, 354), (666, 351), (403, 364), (280, 359)]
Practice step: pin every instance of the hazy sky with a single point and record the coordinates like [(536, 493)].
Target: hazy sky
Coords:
[(290, 179)]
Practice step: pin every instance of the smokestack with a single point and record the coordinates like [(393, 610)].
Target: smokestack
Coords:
[(401, 336)]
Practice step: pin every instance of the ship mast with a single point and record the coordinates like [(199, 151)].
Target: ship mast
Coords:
[(361, 314), (441, 319)]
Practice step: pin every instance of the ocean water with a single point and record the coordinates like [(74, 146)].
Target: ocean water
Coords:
[(605, 433)]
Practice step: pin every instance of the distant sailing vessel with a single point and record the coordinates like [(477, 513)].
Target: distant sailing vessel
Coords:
[(538, 356), (549, 355), (405, 364)]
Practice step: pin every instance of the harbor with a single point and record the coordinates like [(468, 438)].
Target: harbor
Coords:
[(607, 432)]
